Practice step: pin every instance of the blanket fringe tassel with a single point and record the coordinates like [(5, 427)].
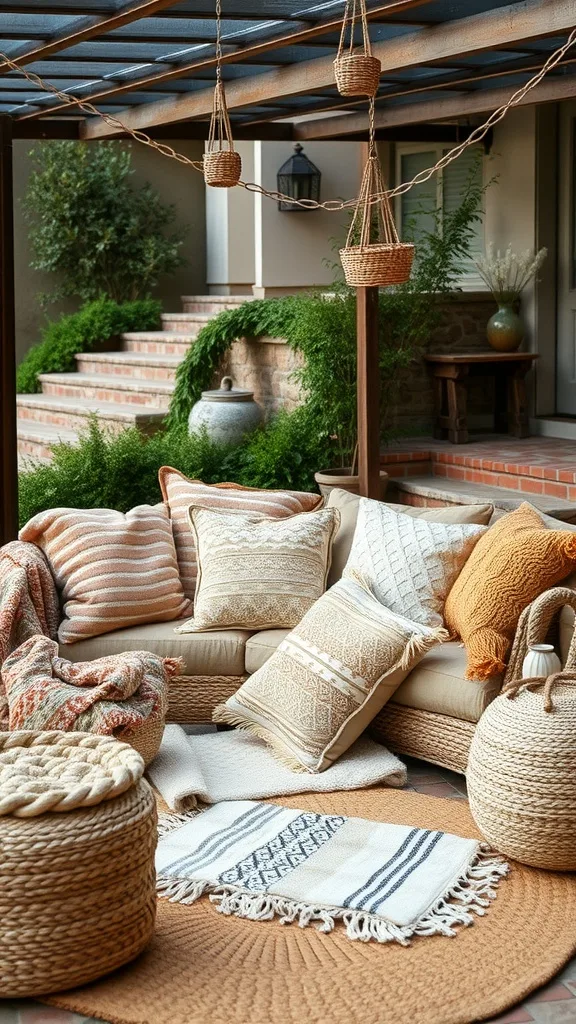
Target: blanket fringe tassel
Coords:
[(470, 896)]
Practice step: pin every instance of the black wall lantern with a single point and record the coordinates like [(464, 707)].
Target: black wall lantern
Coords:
[(298, 178)]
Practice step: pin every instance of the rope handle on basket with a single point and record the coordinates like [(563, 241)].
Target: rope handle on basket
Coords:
[(351, 10), (121, 767), (515, 687)]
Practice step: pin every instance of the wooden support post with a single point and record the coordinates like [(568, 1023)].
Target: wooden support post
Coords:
[(8, 442), (368, 390)]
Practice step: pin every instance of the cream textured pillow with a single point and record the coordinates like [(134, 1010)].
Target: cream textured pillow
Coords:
[(179, 493), (112, 569), (329, 677), (256, 573), (348, 504), (409, 564)]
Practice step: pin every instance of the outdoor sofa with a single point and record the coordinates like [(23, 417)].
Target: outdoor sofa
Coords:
[(431, 716)]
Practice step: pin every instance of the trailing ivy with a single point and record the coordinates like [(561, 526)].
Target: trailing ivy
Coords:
[(254, 318), (94, 324)]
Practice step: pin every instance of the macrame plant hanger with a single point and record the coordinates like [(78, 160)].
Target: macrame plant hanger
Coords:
[(373, 254), (357, 72), (222, 164)]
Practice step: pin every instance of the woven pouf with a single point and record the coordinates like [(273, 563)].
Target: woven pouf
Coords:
[(77, 842), (522, 772)]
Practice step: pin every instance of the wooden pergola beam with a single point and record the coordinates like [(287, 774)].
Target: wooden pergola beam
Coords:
[(479, 102), (531, 19), (8, 442), (88, 28), (301, 35)]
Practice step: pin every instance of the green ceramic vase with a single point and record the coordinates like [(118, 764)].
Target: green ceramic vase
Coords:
[(505, 330)]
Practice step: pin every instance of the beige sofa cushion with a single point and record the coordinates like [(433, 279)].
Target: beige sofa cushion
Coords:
[(261, 645), (204, 654), (438, 684), (348, 504)]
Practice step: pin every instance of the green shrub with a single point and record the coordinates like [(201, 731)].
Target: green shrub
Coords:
[(120, 471), (92, 228), (84, 331)]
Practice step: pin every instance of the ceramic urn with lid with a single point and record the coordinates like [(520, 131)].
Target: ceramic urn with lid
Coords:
[(227, 413)]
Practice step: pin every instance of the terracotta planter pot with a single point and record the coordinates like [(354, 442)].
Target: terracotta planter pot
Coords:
[(342, 477)]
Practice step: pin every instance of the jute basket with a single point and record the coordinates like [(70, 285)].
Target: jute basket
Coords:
[(222, 168), (377, 264), (357, 74), (373, 254), (222, 164), (146, 740), (78, 836), (522, 772)]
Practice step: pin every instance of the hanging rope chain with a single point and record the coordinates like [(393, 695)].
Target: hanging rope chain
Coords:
[(331, 204)]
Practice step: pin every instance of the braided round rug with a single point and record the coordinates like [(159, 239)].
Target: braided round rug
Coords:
[(202, 966)]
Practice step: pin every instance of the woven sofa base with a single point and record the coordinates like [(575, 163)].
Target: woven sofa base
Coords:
[(192, 699), (438, 739)]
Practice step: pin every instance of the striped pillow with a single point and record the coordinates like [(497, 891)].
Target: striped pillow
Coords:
[(179, 492), (112, 569)]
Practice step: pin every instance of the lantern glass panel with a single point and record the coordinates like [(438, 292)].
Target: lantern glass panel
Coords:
[(298, 178)]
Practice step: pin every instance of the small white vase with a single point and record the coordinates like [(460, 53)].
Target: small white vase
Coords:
[(541, 660)]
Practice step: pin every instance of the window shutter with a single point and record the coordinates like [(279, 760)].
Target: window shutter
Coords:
[(418, 205), (455, 177)]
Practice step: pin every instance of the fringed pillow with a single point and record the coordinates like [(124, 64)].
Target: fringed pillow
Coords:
[(516, 560), (329, 677)]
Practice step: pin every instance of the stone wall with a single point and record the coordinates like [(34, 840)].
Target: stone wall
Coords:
[(266, 365), (462, 329)]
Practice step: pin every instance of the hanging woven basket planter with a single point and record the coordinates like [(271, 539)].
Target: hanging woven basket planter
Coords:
[(373, 254), (357, 73), (222, 164)]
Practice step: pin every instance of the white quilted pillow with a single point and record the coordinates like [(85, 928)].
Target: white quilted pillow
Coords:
[(409, 564)]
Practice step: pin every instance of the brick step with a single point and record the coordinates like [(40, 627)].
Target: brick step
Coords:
[(186, 323), (144, 366), (36, 440), (212, 303), (72, 413), (113, 388), (434, 491), (158, 342)]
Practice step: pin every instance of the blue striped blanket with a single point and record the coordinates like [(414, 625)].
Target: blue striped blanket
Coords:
[(384, 882)]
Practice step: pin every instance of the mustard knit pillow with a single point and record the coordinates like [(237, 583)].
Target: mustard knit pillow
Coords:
[(514, 562)]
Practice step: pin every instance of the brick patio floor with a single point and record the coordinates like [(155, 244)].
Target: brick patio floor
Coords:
[(553, 1004)]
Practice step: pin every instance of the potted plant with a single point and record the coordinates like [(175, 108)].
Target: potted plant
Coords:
[(506, 276)]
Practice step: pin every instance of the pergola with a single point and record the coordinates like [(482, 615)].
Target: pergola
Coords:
[(152, 64)]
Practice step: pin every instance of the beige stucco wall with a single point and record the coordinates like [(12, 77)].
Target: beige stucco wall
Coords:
[(510, 217), (252, 245), (176, 184)]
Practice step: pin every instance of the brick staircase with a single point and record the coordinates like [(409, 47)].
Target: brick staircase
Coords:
[(128, 388), (501, 469)]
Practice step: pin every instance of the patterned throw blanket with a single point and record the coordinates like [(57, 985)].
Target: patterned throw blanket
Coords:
[(384, 882), (39, 689)]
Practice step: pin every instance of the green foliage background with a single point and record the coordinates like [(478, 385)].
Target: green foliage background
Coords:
[(120, 472), (92, 228), (84, 331)]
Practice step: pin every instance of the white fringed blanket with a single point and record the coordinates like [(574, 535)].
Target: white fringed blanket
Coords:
[(385, 882), (237, 766)]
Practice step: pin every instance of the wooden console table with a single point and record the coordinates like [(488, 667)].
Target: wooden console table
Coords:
[(451, 373)]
